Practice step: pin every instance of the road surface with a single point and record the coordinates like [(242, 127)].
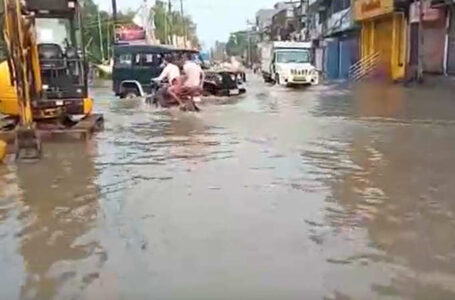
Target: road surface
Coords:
[(323, 193)]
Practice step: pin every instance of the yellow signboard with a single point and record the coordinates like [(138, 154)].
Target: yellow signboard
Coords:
[(367, 9), (2, 150)]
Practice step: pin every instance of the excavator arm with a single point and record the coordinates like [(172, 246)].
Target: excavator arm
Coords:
[(23, 63)]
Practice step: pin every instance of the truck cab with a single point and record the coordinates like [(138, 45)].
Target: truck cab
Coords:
[(289, 63)]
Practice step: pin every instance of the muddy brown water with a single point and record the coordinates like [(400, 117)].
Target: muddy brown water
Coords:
[(323, 193)]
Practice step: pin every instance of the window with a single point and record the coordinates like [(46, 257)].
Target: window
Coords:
[(54, 31), (339, 5), (322, 16), (148, 59), (137, 60), (293, 56), (124, 60)]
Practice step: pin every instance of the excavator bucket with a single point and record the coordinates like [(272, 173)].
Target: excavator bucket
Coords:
[(28, 144)]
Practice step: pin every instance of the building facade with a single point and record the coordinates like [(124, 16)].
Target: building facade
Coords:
[(384, 33), (335, 37), (284, 22), (393, 39), (447, 9), (264, 18), (449, 62)]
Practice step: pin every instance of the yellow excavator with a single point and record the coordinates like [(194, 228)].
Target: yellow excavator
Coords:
[(43, 82)]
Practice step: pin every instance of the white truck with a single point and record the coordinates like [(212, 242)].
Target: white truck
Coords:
[(288, 63)]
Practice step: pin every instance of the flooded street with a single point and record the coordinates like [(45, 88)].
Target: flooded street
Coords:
[(324, 193)]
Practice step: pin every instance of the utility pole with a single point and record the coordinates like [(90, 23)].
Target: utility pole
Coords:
[(305, 7), (166, 25), (114, 18), (307, 25), (101, 36), (250, 52), (183, 22), (108, 33), (421, 42), (249, 48), (114, 11), (302, 2)]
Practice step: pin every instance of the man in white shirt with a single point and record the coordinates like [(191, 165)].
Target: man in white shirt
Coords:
[(193, 76), (193, 73), (171, 73)]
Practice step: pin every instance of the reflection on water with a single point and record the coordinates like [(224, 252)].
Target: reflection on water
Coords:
[(402, 196), (322, 193), (58, 206)]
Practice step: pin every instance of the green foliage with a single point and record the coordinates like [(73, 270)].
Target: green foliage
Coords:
[(168, 23), (91, 33), (237, 44), (161, 22)]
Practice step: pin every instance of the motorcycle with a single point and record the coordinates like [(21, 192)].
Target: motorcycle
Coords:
[(161, 97)]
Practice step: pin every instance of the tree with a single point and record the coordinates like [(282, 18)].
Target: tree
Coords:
[(169, 23), (92, 16), (161, 22), (237, 44)]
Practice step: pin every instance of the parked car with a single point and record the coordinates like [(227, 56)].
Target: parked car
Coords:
[(224, 83)]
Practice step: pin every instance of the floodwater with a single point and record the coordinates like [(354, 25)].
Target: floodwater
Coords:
[(323, 193)]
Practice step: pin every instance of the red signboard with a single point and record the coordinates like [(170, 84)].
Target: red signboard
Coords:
[(429, 14), (130, 32)]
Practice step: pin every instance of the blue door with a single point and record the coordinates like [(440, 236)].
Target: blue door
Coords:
[(332, 63), (346, 56)]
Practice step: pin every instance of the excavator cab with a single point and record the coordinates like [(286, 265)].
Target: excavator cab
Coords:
[(63, 66)]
